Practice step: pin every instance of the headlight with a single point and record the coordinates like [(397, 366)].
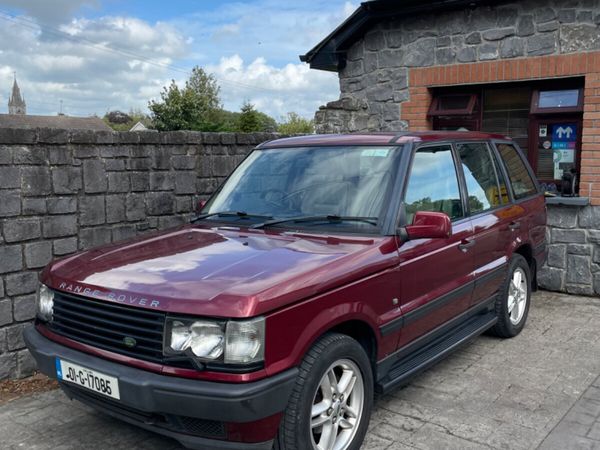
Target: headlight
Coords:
[(232, 342), (45, 304)]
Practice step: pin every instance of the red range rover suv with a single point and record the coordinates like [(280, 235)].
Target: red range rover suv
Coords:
[(325, 269)]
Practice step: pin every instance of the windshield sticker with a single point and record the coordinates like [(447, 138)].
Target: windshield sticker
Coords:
[(376, 152)]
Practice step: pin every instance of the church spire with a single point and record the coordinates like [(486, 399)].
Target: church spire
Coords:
[(16, 103)]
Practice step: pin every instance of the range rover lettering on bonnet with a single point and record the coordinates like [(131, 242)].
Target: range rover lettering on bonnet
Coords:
[(111, 296)]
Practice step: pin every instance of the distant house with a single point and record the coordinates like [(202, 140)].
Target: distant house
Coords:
[(139, 126), (60, 121)]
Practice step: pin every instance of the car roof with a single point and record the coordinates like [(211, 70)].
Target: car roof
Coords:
[(384, 138)]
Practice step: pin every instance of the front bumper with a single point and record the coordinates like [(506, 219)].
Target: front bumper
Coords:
[(146, 395)]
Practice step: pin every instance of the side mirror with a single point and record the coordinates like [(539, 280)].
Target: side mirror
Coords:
[(429, 225), (200, 205)]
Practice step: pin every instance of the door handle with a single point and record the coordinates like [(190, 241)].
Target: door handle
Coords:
[(514, 226), (466, 244)]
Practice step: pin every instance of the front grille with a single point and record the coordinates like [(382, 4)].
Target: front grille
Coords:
[(179, 424), (105, 325)]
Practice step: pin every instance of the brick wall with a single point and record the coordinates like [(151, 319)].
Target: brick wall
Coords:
[(414, 111), (63, 191)]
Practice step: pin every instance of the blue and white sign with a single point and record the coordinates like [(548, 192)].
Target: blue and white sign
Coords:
[(564, 132)]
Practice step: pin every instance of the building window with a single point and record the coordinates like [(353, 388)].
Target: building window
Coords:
[(455, 111), (556, 101)]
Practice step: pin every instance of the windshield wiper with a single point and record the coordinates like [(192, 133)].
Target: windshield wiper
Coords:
[(241, 214), (332, 218)]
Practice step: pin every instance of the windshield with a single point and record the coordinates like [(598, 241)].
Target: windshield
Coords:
[(345, 182)]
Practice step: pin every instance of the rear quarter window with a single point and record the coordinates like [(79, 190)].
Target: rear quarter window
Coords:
[(520, 179)]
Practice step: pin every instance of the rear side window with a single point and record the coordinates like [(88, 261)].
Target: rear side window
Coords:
[(433, 184), (521, 182), (480, 177)]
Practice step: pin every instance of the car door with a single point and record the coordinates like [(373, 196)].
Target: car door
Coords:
[(435, 274), (493, 216)]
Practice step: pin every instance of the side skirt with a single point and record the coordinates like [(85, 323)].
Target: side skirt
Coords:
[(398, 368)]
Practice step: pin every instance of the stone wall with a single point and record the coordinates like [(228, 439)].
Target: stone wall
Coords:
[(573, 263), (374, 83), (63, 191)]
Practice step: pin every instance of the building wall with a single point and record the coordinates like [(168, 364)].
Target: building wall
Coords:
[(63, 191), (375, 82)]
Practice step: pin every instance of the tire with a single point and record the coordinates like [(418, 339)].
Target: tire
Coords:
[(512, 304), (339, 355)]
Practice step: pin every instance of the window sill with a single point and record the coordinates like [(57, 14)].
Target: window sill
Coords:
[(568, 201)]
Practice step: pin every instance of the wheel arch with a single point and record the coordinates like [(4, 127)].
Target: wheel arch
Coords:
[(526, 251)]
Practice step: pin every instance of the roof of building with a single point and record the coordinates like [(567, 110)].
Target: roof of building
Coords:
[(330, 53), (62, 122), (385, 138)]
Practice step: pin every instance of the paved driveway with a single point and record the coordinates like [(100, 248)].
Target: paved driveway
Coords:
[(539, 390)]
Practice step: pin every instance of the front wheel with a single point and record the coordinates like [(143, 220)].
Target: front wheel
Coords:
[(330, 406), (512, 305)]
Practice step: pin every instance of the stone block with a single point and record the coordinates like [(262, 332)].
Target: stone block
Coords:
[(10, 177), (390, 58), (11, 258), (14, 337), (160, 203), (64, 246), (61, 205), (184, 162), (548, 26), (512, 47), (185, 183), (6, 316), (557, 255), (66, 180), (60, 156), (8, 362), (114, 151), (550, 278), (507, 16), (123, 232), (16, 230), (94, 176), (525, 26), (26, 365), (92, 210), (568, 236), (544, 14), (182, 205), (118, 182), (135, 207), (17, 136), (10, 205), (596, 284), (1, 288), (21, 283), (53, 136), (542, 44), (578, 270), (93, 237), (24, 307), (228, 138), (496, 34), (85, 151), (562, 217), (139, 164), (115, 208), (161, 158), (5, 155), (116, 165), (421, 53), (488, 51), (166, 222), (59, 226), (589, 217), (579, 249), (36, 181), (579, 289), (34, 155), (567, 15), (473, 38), (162, 181), (38, 254), (140, 181), (140, 151), (33, 206), (148, 137)]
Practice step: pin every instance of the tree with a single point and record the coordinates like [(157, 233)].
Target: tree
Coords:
[(293, 123), (190, 108), (249, 118)]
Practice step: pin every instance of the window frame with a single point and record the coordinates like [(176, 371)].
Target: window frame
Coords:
[(535, 102), (435, 109), (492, 153), (402, 222), (514, 200)]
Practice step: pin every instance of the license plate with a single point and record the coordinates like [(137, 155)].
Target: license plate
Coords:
[(87, 378)]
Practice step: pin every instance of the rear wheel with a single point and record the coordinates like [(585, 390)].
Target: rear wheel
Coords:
[(512, 305), (330, 406)]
